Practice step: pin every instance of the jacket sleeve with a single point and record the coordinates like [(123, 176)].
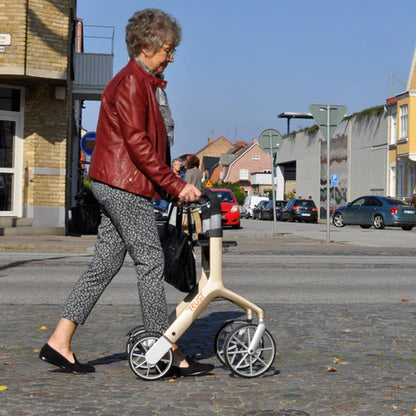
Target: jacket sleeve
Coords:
[(133, 106)]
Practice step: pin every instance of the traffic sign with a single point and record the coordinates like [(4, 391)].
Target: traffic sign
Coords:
[(327, 115), (208, 184), (270, 137), (88, 143), (334, 179)]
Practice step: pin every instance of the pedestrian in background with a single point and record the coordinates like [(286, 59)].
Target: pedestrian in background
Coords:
[(413, 200), (128, 168), (193, 176), (177, 168)]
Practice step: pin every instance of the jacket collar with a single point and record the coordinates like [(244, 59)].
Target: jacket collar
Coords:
[(154, 80)]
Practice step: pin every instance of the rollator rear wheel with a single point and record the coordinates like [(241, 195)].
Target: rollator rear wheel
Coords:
[(222, 336), (238, 358), (137, 357)]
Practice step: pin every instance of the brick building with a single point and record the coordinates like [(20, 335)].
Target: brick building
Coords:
[(39, 131)]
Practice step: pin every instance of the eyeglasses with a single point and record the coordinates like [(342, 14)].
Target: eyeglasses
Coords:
[(169, 51)]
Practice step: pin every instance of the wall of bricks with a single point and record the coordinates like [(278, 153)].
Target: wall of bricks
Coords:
[(40, 39), (255, 160), (45, 26), (45, 143), (215, 148), (13, 21)]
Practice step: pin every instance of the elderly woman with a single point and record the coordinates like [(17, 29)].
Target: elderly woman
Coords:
[(129, 167)]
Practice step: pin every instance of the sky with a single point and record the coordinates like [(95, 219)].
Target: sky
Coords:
[(243, 62)]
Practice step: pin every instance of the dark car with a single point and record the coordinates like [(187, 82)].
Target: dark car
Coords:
[(160, 208), (258, 209), (377, 211), (300, 210), (268, 210), (230, 210)]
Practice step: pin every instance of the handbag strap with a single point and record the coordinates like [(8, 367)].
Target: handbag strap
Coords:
[(179, 217)]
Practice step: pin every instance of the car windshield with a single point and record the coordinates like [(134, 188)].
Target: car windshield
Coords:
[(307, 204), (225, 196)]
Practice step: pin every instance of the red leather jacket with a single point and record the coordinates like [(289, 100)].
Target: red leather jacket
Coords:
[(130, 143)]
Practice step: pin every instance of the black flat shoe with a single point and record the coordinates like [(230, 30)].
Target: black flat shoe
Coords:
[(48, 354), (195, 368)]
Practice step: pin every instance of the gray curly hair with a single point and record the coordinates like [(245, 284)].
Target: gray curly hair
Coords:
[(151, 28)]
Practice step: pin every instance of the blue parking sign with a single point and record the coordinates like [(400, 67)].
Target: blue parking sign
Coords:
[(334, 179)]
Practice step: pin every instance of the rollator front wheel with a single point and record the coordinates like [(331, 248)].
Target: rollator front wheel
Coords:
[(137, 357), (133, 333), (238, 358), (222, 336)]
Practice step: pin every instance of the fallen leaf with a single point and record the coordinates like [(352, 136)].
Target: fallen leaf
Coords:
[(339, 361), (7, 363), (3, 388), (171, 380), (346, 331), (332, 370), (394, 407), (271, 319), (43, 327), (37, 350), (405, 300)]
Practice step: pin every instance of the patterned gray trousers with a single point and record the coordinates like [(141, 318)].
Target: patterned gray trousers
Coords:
[(127, 225)]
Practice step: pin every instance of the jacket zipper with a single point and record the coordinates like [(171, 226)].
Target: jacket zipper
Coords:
[(134, 175)]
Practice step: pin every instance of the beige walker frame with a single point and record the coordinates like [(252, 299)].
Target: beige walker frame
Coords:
[(209, 287)]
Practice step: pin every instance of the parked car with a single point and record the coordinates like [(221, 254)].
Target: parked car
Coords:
[(300, 210), (267, 213), (230, 210), (376, 211), (258, 209), (160, 208), (249, 203)]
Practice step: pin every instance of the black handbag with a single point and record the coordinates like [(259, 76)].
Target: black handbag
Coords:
[(178, 251)]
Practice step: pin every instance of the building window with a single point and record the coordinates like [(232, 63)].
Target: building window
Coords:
[(403, 122), (393, 128), (401, 180), (255, 157), (411, 179), (244, 174), (9, 99), (392, 181)]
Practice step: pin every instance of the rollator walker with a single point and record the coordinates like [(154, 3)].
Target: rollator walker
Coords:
[(245, 347)]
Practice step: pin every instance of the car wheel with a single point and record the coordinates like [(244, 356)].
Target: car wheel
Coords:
[(338, 220), (365, 226), (407, 227), (378, 222)]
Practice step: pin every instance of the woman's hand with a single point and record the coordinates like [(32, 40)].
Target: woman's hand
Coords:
[(190, 193)]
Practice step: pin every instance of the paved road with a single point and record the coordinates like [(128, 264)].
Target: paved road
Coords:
[(389, 237), (343, 316)]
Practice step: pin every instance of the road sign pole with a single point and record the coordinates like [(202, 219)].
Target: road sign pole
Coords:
[(327, 124), (328, 188), (273, 188)]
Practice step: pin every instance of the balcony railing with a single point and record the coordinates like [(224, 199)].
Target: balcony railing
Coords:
[(93, 61)]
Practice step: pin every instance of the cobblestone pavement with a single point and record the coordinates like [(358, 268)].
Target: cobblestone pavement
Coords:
[(331, 360), (356, 359)]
